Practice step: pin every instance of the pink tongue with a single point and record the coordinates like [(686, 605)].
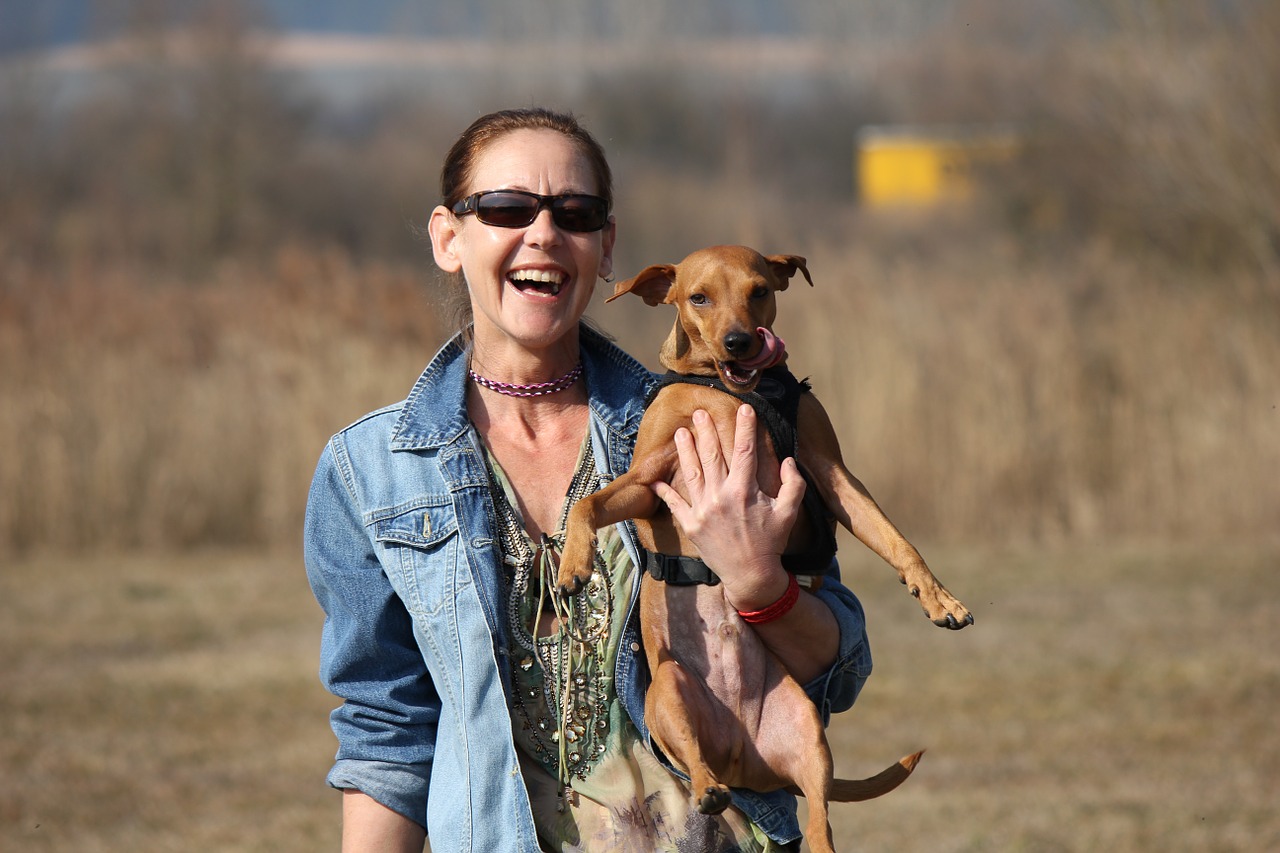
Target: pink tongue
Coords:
[(771, 351)]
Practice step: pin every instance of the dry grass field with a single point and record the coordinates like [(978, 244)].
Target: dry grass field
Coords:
[(1106, 699), (1065, 392), (1111, 696)]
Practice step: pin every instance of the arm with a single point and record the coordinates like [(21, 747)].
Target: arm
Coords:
[(386, 724), (741, 533), (367, 825)]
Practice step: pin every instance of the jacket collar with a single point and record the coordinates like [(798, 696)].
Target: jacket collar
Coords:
[(435, 412)]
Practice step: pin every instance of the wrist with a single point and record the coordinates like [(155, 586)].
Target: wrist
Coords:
[(756, 591), (779, 608)]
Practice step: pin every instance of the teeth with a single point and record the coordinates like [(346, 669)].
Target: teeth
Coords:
[(539, 276), (734, 372)]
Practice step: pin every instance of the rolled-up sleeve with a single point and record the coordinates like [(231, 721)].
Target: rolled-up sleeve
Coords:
[(386, 725), (837, 689)]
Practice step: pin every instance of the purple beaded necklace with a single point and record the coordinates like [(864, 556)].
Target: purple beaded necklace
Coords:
[(533, 389)]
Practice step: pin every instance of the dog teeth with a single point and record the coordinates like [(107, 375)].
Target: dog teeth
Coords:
[(736, 374)]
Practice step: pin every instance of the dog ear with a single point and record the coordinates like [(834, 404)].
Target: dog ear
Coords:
[(651, 284), (785, 266)]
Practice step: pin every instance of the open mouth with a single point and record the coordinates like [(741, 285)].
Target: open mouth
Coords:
[(545, 282), (733, 373), (744, 371)]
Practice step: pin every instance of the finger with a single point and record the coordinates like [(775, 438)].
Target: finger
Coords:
[(709, 449), (744, 443), (791, 494), (690, 463)]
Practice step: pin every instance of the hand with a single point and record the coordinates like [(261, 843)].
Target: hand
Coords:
[(739, 530)]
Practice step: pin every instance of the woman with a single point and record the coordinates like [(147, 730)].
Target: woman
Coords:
[(477, 708)]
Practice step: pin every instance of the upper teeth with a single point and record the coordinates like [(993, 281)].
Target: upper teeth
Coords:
[(540, 276)]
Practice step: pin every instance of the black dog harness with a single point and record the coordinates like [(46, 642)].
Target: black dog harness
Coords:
[(776, 400)]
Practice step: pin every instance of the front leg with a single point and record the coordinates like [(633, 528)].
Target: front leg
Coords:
[(857, 511), (626, 497)]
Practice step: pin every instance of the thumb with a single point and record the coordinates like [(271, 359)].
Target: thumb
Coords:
[(667, 493)]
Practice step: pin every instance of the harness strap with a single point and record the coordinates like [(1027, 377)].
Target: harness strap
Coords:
[(776, 400), (679, 571)]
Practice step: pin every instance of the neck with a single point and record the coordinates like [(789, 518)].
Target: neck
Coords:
[(506, 362), (527, 419)]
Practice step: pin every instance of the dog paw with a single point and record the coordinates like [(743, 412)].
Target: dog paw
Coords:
[(570, 582), (714, 800), (942, 608), (570, 585), (575, 566)]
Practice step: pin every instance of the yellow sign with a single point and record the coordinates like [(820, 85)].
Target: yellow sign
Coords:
[(920, 166)]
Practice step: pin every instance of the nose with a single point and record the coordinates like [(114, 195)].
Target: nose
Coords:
[(543, 231), (737, 343)]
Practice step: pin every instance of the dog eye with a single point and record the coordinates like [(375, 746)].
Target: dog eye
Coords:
[(698, 299), (760, 292)]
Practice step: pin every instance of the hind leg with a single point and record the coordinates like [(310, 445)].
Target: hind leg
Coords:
[(794, 753), (675, 709)]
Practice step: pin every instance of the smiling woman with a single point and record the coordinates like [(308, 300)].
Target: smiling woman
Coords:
[(433, 533), (528, 276)]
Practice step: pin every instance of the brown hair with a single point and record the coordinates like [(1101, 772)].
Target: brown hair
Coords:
[(460, 162)]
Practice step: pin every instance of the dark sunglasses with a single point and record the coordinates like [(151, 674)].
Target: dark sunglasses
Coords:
[(517, 208)]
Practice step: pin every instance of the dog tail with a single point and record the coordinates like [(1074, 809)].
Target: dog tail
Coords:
[(857, 790)]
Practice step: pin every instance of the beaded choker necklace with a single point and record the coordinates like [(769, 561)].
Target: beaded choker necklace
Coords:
[(533, 389)]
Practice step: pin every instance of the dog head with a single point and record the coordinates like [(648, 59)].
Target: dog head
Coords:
[(725, 303)]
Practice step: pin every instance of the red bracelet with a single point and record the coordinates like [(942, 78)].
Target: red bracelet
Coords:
[(778, 609)]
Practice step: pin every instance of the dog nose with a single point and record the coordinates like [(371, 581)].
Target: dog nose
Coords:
[(737, 343)]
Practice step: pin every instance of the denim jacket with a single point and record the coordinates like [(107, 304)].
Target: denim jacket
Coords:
[(402, 556)]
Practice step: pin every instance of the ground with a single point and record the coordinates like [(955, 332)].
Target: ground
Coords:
[(1119, 699)]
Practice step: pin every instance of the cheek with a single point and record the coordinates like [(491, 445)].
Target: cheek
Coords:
[(705, 323)]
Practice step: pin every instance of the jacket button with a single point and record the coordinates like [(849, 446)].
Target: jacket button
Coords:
[(635, 647)]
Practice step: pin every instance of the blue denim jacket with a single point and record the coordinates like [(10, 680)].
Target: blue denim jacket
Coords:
[(402, 556)]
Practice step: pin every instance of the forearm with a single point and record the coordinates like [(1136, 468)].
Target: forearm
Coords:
[(368, 826), (806, 638)]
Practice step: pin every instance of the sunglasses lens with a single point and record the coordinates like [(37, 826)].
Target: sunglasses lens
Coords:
[(517, 209), (580, 212), (506, 210)]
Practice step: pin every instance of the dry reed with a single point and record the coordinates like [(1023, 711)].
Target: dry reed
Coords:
[(981, 394)]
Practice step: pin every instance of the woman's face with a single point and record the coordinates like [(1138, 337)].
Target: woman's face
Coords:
[(529, 284)]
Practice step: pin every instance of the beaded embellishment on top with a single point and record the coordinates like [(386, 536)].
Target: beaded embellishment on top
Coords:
[(560, 681)]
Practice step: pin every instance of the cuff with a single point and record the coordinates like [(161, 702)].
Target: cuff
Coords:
[(837, 689), (400, 787)]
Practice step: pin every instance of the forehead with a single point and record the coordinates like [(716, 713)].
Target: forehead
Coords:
[(539, 160)]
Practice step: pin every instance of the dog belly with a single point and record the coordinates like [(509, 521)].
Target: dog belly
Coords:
[(706, 637)]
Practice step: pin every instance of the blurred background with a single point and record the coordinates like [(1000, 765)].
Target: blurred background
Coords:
[(1045, 242)]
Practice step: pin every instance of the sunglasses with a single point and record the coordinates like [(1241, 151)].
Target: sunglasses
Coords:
[(517, 209)]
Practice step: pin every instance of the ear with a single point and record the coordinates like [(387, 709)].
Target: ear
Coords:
[(443, 228), (651, 284), (608, 237), (785, 266)]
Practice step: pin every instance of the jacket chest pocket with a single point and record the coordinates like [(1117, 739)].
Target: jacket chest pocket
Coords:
[(420, 545)]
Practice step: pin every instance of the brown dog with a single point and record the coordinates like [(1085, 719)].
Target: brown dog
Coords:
[(721, 706)]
